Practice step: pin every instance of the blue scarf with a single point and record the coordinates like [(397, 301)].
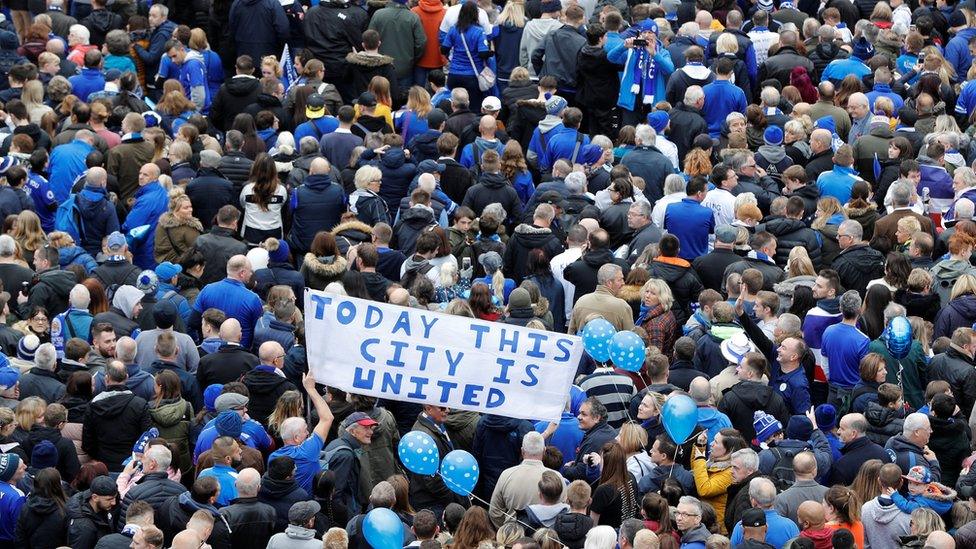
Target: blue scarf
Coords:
[(644, 309), (644, 77)]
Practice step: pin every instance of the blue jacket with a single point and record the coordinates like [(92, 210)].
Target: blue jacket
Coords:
[(539, 142), (838, 69), (691, 223), (157, 48), (189, 387), (151, 202), (171, 293), (120, 62), (940, 505), (722, 97), (884, 90), (957, 50), (843, 347), (252, 434), (966, 103), (316, 128), (837, 183), (232, 297), (193, 77), (507, 39), (99, 217), (712, 421), (225, 475), (497, 446), (795, 390), (12, 501), (817, 444), (215, 72), (67, 163), (779, 530), (416, 125), (44, 202), (259, 27), (567, 436), (562, 144), (524, 186), (317, 205), (663, 67), (62, 330), (86, 83), (476, 41), (278, 273), (75, 255), (398, 172), (276, 330), (473, 152)]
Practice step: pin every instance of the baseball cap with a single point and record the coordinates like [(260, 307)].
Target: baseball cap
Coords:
[(367, 99), (112, 75), (166, 270), (435, 118), (491, 103), (230, 401), (315, 106), (753, 518), (647, 25), (726, 234), (361, 418), (302, 511), (430, 166), (8, 377), (919, 474), (115, 241), (104, 486)]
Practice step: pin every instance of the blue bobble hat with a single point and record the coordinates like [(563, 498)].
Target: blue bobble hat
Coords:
[(555, 105), (9, 463), (44, 455), (863, 49), (773, 136), (765, 425), (799, 428), (280, 255), (140, 445), (210, 395), (229, 424), (6, 162), (658, 120), (9, 377), (590, 154), (647, 25), (826, 416)]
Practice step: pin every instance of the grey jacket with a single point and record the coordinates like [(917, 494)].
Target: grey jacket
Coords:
[(188, 359), (295, 537), (789, 500), (883, 524)]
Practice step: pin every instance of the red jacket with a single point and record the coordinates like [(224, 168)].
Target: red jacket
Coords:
[(431, 12)]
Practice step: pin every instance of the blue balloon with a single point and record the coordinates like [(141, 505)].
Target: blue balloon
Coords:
[(138, 234), (627, 351), (383, 529), (898, 337), (418, 453), (596, 335), (680, 416), (459, 470)]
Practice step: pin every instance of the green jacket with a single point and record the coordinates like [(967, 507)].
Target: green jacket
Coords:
[(401, 36), (913, 368)]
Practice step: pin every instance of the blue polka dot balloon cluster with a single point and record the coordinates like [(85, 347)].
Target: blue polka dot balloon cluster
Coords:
[(418, 453), (627, 351), (596, 336)]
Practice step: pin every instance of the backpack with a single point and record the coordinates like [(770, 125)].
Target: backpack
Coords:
[(68, 218), (782, 475), (327, 455)]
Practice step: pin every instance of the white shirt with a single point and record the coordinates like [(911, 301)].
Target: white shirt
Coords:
[(722, 204), (657, 214), (451, 19), (558, 264), (668, 149)]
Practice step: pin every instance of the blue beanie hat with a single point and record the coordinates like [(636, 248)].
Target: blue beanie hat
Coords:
[(773, 136), (44, 455), (9, 463), (799, 428), (826, 416), (140, 445), (229, 424), (590, 154), (826, 123), (281, 254), (210, 395), (765, 425)]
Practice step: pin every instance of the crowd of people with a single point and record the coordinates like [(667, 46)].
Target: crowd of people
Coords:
[(766, 192)]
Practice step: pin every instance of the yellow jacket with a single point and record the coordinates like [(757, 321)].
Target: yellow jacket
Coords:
[(713, 485)]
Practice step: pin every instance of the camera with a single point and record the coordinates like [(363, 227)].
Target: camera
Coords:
[(640, 43)]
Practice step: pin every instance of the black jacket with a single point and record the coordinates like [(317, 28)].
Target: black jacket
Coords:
[(42, 524), (114, 421), (430, 490), (493, 187), (959, 371), (68, 464), (265, 389), (780, 65), (765, 189), (810, 195), (582, 272), (738, 501), (209, 191), (594, 76), (883, 422), (268, 102), (710, 268), (640, 239), (50, 292), (218, 246), (789, 234), (745, 397), (854, 454), (236, 167), (280, 494), (227, 364), (771, 273), (572, 528), (859, 265), (332, 30), (819, 163), (100, 22), (687, 123), (251, 523), (684, 285), (85, 526), (526, 238), (455, 180), (593, 441), (154, 489), (114, 273), (950, 442), (235, 94), (176, 512), (412, 222)]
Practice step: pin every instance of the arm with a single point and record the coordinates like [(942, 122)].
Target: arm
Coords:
[(708, 485), (321, 407), (756, 334), (903, 504), (419, 39)]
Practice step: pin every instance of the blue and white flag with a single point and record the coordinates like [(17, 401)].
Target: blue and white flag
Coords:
[(289, 76)]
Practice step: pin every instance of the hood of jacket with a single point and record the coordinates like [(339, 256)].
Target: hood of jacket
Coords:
[(546, 514), (368, 59), (169, 412), (878, 415), (885, 514), (329, 266), (708, 416), (501, 424), (91, 200), (572, 526), (299, 532), (41, 432), (417, 217), (951, 268), (881, 130), (63, 281), (393, 158), (78, 507), (532, 236), (754, 394), (277, 489), (42, 505), (431, 6), (721, 331), (263, 383), (698, 533), (242, 86), (855, 213), (493, 180), (597, 258), (698, 73), (964, 305), (780, 226), (170, 221), (773, 153), (413, 263), (70, 254), (268, 101), (318, 182), (549, 122), (101, 20), (827, 50)]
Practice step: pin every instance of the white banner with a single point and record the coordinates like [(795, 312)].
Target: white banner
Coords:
[(399, 353)]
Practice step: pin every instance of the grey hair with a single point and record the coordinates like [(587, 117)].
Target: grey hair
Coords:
[(689, 500), (953, 139), (737, 160), (778, 206), (576, 183), (733, 116), (599, 537), (495, 210), (308, 145), (533, 444), (674, 183), (892, 311), (643, 208), (789, 323), (630, 527), (693, 95), (853, 228), (858, 97), (964, 209), (607, 273), (290, 427), (8, 246), (769, 96), (850, 304), (689, 29), (460, 97), (645, 135), (748, 458), (762, 490), (602, 141), (46, 357), (901, 194), (857, 422), (826, 33), (248, 481), (914, 422), (161, 455), (79, 297), (795, 127), (163, 10), (968, 176), (383, 495)]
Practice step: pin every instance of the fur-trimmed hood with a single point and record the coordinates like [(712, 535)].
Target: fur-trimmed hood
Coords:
[(331, 266), (368, 59), (541, 307), (629, 293), (170, 221), (939, 492), (353, 225), (858, 212)]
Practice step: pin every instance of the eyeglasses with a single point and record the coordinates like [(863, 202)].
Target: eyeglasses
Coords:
[(683, 514), (840, 236)]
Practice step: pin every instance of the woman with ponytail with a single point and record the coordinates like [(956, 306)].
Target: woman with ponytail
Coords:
[(842, 508), (500, 286)]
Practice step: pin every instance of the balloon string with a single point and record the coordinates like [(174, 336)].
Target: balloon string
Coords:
[(626, 405), (507, 516)]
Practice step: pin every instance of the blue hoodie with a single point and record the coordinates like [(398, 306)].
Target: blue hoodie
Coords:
[(99, 216), (941, 504), (151, 202), (567, 436), (75, 255), (957, 50), (712, 421)]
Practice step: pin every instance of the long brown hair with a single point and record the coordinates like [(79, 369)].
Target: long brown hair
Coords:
[(513, 161), (264, 175), (845, 503), (380, 87), (47, 484), (401, 487), (480, 299), (615, 474), (169, 386), (473, 529), (866, 484)]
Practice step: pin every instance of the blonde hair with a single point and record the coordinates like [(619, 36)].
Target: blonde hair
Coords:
[(33, 94), (799, 264), (198, 40), (965, 284), (271, 61), (632, 438), (514, 13), (662, 290), (726, 43), (925, 521), (921, 332), (28, 411), (828, 207), (366, 174), (27, 231), (289, 404), (177, 199), (909, 225), (60, 239), (418, 100)]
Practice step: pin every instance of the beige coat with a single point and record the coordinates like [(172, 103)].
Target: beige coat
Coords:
[(516, 489), (605, 304)]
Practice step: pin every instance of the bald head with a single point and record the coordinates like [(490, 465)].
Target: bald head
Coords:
[(589, 224), (187, 539), (400, 296), (820, 140), (700, 390), (238, 266), (96, 177), (247, 483), (487, 126), (805, 465), (319, 166), (230, 330), (940, 540), (270, 352), (810, 514)]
